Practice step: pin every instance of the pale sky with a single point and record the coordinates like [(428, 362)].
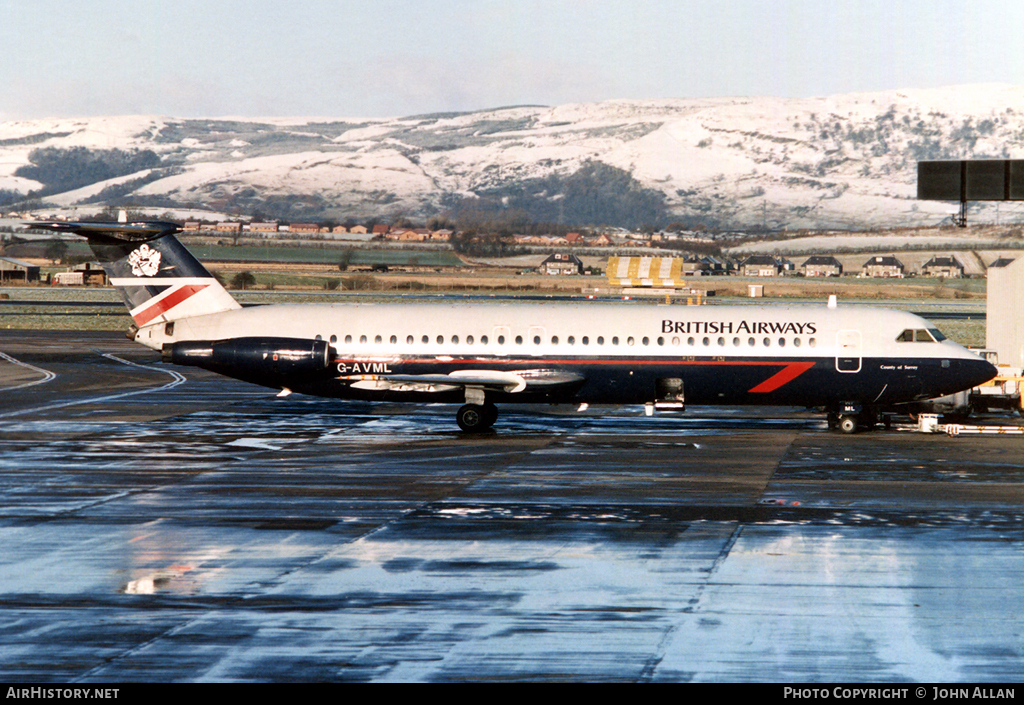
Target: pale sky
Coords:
[(384, 58)]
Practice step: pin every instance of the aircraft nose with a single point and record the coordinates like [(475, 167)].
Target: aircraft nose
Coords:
[(979, 371)]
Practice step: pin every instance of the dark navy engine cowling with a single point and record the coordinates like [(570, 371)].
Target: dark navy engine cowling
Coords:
[(253, 357)]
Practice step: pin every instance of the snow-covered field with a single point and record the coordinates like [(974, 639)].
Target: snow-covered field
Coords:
[(864, 243)]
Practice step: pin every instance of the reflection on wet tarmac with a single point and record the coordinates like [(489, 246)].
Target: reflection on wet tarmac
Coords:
[(210, 531)]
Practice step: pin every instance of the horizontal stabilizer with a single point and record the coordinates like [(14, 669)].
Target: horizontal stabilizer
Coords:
[(117, 232)]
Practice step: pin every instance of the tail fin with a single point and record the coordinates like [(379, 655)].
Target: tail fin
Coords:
[(158, 279)]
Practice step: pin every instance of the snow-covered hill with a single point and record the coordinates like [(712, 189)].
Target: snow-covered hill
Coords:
[(844, 161)]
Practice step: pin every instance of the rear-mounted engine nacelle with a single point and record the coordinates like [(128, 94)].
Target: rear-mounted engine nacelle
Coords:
[(253, 356)]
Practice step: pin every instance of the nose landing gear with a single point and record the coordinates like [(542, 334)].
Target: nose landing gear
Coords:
[(851, 419)]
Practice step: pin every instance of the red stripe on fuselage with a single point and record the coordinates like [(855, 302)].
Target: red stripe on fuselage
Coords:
[(168, 302), (784, 376)]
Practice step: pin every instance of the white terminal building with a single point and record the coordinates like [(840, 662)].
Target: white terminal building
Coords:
[(1004, 311)]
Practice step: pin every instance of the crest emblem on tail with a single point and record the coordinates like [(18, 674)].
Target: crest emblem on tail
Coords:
[(145, 261)]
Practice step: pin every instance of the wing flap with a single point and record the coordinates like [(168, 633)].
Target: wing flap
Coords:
[(487, 380)]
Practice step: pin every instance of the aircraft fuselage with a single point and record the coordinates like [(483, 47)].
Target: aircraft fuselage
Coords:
[(605, 352)]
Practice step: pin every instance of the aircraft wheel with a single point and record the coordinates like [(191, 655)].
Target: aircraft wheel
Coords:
[(490, 414), (472, 418), (848, 424), (833, 420)]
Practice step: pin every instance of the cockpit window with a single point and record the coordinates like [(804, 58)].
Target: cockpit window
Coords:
[(920, 335)]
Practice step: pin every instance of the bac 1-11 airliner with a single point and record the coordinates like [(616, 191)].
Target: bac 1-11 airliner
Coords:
[(853, 362)]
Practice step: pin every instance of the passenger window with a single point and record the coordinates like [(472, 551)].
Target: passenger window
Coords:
[(586, 340), (796, 342), (629, 340), (501, 340), (736, 342), (646, 341), (409, 340), (318, 337), (615, 340), (600, 340), (455, 340), (348, 339), (661, 341), (536, 340), (721, 342), (425, 339), (519, 340), (782, 342), (469, 340), (675, 340), (483, 340), (362, 340), (751, 342), (334, 339), (394, 339), (571, 340), (554, 340), (690, 341), (812, 342), (767, 342), (378, 340), (440, 340), (707, 341)]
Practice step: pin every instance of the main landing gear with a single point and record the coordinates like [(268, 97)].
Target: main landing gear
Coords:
[(474, 418)]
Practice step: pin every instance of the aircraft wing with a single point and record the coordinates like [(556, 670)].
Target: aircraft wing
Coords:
[(486, 380)]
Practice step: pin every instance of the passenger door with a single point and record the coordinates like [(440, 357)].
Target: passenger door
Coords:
[(849, 351)]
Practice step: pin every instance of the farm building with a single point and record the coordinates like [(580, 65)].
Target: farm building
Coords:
[(16, 270)]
